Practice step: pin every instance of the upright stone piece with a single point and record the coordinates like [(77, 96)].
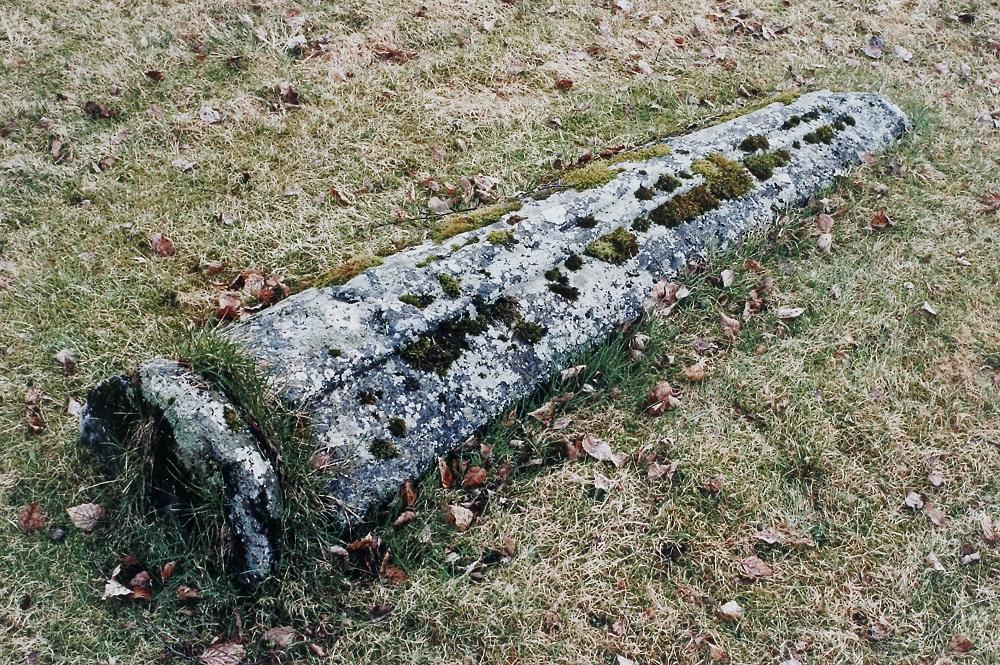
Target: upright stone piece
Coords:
[(402, 363)]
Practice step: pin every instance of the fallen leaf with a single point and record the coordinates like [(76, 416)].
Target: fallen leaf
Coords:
[(665, 295), (33, 408), (603, 483), (697, 372), (914, 500), (730, 611), (408, 492), (730, 326), (340, 197), (657, 471), (73, 408), (208, 115), (229, 306), (727, 278), (161, 245), (167, 570), (474, 477), (928, 309), (825, 242), (445, 474), (392, 574), (990, 201), (824, 223), (786, 313), (564, 83), (86, 516), (224, 653), (461, 517), (662, 398), (936, 477), (880, 221), (873, 47), (404, 518), (115, 589), (182, 164), (990, 534), (934, 562), (902, 53), (935, 515), (753, 568), (281, 637), (187, 593), (600, 449), (31, 517), (155, 75), (98, 110), (961, 644), (67, 360)]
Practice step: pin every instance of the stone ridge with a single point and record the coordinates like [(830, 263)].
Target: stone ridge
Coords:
[(402, 363), (343, 351)]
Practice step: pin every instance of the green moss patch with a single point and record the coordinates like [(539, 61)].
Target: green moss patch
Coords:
[(667, 183), (644, 193), (452, 286), (383, 449), (573, 262), (397, 426), (438, 350), (505, 238), (476, 219), (685, 207), (507, 311), (616, 247), (592, 175), (823, 134), (762, 164), (725, 178), (418, 300), (641, 154), (754, 142)]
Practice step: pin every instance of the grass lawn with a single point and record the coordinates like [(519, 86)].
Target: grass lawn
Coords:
[(799, 446)]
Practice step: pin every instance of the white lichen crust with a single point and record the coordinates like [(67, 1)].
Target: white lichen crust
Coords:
[(402, 363)]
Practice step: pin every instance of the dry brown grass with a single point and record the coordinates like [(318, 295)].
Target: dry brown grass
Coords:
[(826, 445)]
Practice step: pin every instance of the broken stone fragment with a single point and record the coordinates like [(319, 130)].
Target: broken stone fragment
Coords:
[(402, 363)]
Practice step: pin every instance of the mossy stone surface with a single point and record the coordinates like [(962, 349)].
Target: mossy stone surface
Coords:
[(616, 247)]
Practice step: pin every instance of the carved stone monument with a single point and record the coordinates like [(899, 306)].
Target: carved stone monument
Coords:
[(403, 362)]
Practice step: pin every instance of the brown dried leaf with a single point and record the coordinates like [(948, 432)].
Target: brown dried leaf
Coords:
[(824, 223), (445, 473), (31, 517), (229, 306), (935, 515), (404, 518), (730, 326), (961, 644), (880, 221), (990, 534), (564, 83), (474, 477), (167, 570), (33, 407), (408, 492), (662, 398), (599, 449), (665, 296), (224, 653), (161, 245), (187, 593), (461, 517), (67, 360), (657, 471), (752, 568), (730, 611), (697, 372), (281, 637), (86, 516)]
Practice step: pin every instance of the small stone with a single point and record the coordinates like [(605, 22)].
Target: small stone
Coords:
[(57, 535)]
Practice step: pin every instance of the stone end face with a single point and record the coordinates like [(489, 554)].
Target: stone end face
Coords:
[(404, 362)]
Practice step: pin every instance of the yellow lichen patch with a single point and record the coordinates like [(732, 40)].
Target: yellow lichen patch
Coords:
[(592, 175), (641, 154), (346, 270), (475, 219)]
